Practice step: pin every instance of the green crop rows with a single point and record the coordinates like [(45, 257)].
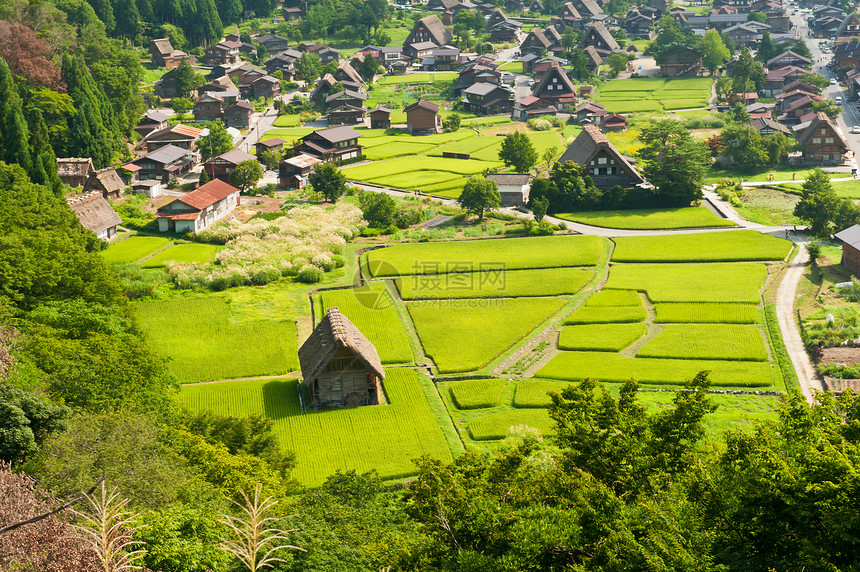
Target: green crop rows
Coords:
[(534, 392), (371, 309), (707, 341), (542, 282), (202, 344), (575, 366), (340, 439), (599, 337), (500, 425), (463, 335), (476, 393), (717, 282), (739, 245), (650, 219), (191, 253), (477, 255), (614, 298), (705, 312), (134, 248), (606, 315)]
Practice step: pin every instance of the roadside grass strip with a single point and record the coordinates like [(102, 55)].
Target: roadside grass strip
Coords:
[(288, 121), (607, 315), (707, 341), (717, 282), (382, 438), (371, 309), (608, 367), (500, 425), (705, 312), (133, 249), (463, 335), (599, 337), (650, 219), (475, 255), (477, 393), (494, 284), (614, 298), (202, 344), (184, 253), (735, 246)]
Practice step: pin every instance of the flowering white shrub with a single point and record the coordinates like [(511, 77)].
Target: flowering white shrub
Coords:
[(260, 251)]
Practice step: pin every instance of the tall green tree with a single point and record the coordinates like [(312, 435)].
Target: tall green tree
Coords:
[(744, 145), (44, 171), (328, 181), (479, 196), (187, 79), (715, 51), (517, 151), (94, 129), (747, 74), (675, 163), (309, 67), (246, 175), (216, 142), (822, 209)]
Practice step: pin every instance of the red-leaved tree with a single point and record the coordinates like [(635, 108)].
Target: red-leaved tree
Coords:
[(28, 55)]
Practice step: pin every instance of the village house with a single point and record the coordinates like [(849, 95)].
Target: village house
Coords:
[(323, 89), (150, 188), (163, 55), (208, 107), (346, 97), (680, 61), (221, 166), (334, 144), (165, 86), (600, 39), (346, 114), (767, 126), (850, 239), (74, 171), (788, 58), (475, 72), (198, 209), (164, 163), (446, 58), (340, 367), (743, 35), (507, 31), (429, 29), (513, 188), (276, 144), (495, 17), (776, 79), (555, 87), (284, 62), (590, 112), (604, 164), (531, 106), (293, 172), (638, 22), (422, 118), (152, 120), (347, 75), (850, 27), (536, 43), (758, 110), (614, 122), (106, 181), (569, 16), (380, 117), (593, 60), (821, 143), (274, 44), (238, 115), (95, 214), (222, 53), (487, 99), (179, 135), (792, 113)]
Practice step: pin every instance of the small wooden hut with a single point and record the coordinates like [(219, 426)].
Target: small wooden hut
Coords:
[(340, 367)]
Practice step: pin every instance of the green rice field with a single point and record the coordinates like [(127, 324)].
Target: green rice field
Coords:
[(607, 315), (469, 256), (476, 393), (190, 253), (707, 341), (650, 219), (494, 284), (500, 425), (533, 392), (382, 438), (371, 309), (717, 282), (609, 367), (654, 94), (201, 343), (614, 298), (463, 335), (705, 312), (739, 245), (133, 249), (599, 337)]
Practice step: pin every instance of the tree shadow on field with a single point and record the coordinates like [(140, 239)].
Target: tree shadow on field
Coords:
[(281, 399)]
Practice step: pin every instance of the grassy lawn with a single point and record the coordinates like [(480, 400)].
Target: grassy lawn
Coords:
[(288, 121), (782, 173), (463, 335), (134, 248), (371, 309), (739, 282), (203, 344), (650, 219), (477, 393), (741, 245), (190, 253), (770, 206), (288, 134), (494, 283), (470, 256), (707, 341), (611, 367), (599, 337), (342, 439), (513, 67), (705, 312), (417, 78)]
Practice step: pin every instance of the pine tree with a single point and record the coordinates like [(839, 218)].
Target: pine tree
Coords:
[(95, 132), (44, 169), (204, 177), (7, 88), (13, 128), (127, 19)]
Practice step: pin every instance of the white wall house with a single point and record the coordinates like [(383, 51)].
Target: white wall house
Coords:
[(198, 209), (513, 187)]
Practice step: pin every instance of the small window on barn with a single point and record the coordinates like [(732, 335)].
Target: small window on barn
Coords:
[(601, 160), (828, 139), (816, 140)]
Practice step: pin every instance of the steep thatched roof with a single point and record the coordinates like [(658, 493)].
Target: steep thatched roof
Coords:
[(107, 180), (589, 143), (334, 332), (94, 212), (74, 166)]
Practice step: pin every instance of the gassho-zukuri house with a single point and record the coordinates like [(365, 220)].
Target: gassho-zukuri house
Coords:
[(340, 367)]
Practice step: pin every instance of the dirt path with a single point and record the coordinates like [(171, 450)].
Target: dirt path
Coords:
[(785, 294)]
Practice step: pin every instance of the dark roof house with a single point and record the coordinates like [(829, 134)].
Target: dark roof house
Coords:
[(606, 166)]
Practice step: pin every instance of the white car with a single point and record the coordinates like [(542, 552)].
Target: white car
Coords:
[(838, 100), (832, 81), (855, 129)]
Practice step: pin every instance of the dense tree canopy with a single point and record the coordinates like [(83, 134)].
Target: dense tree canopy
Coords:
[(675, 163)]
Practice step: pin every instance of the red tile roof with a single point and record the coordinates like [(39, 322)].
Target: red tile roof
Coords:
[(208, 194)]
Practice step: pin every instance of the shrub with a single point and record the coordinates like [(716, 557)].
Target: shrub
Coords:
[(310, 274)]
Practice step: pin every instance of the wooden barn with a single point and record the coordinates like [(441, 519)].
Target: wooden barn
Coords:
[(850, 239), (340, 367)]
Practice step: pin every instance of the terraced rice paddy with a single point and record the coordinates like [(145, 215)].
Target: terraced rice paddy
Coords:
[(717, 282), (650, 219), (494, 284), (384, 438), (705, 312), (477, 393), (707, 341), (500, 425), (739, 245), (133, 249), (606, 315), (654, 94), (599, 337)]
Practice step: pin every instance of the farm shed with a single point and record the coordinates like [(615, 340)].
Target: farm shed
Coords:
[(422, 118), (340, 367), (850, 239), (513, 187), (95, 214)]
